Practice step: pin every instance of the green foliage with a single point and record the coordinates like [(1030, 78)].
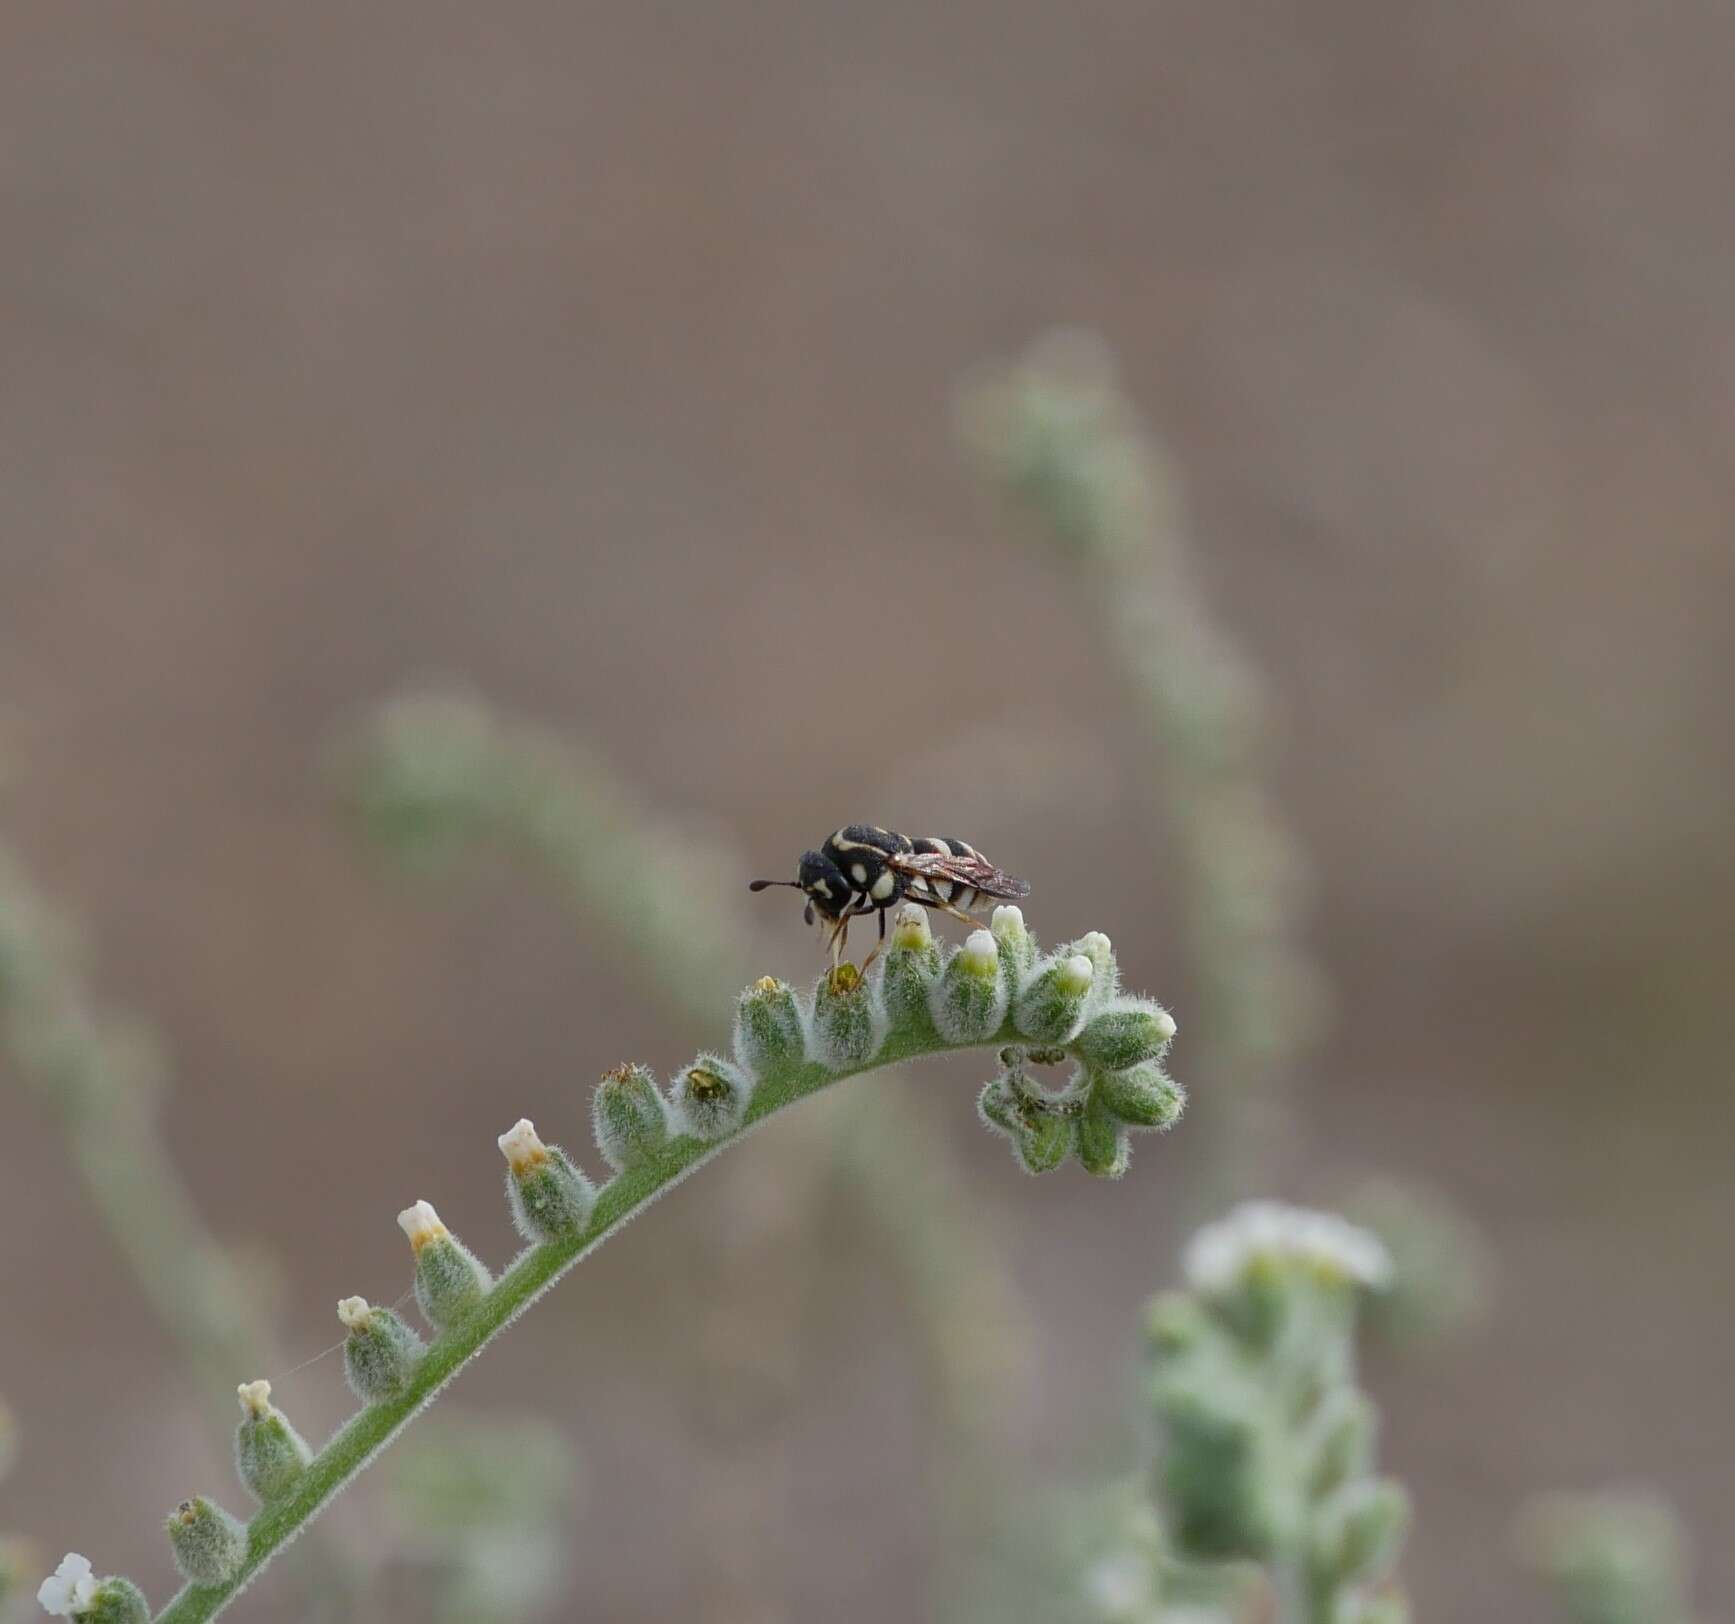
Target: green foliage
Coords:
[(1611, 1558)]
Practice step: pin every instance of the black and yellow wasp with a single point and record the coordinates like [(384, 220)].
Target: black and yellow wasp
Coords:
[(865, 869)]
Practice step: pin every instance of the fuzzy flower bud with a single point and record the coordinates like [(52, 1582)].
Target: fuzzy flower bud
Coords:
[(550, 1199), (117, 1601), (450, 1279), (711, 1098), (269, 1453), (969, 1002), (1017, 946), (1100, 951), (1125, 1033), (1051, 1007), (910, 966), (1104, 1145), (1142, 1096), (768, 1030), (1040, 1125), (630, 1117), (208, 1543), (1360, 1530), (1217, 1475), (381, 1354), (849, 1021)]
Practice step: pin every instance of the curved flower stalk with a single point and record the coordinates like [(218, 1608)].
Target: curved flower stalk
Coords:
[(1610, 1558), (1055, 431), (973, 998), (439, 776), (1264, 1444)]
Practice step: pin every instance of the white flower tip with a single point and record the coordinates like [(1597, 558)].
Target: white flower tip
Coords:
[(911, 929), (255, 1397), (521, 1147), (1165, 1023), (1219, 1256), (1096, 945), (422, 1224), (355, 1313), (70, 1589), (1007, 918), (981, 952), (1077, 974)]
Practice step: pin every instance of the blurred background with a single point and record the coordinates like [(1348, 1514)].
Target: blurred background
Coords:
[(606, 361)]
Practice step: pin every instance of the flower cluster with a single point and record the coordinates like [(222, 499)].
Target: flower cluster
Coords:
[(917, 998), (1265, 1443)]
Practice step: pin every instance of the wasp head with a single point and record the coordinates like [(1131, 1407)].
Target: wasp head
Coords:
[(827, 890)]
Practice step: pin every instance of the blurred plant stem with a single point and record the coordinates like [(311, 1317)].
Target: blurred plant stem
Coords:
[(1054, 430), (103, 1074), (437, 776)]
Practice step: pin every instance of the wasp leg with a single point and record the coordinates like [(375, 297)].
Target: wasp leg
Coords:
[(878, 946), (947, 908), (840, 931)]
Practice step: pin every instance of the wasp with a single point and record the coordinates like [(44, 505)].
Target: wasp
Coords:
[(865, 869)]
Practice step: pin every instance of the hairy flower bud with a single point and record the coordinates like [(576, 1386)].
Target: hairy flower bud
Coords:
[(1338, 1444), (1359, 1531), (630, 1117), (269, 1453), (381, 1353), (208, 1543), (117, 1601), (969, 1002), (450, 1278), (1099, 950), (550, 1199), (711, 1098), (768, 1028), (909, 967), (1051, 1007), (1217, 1477), (849, 1021), (1017, 946), (1125, 1033), (1142, 1096), (1104, 1145)]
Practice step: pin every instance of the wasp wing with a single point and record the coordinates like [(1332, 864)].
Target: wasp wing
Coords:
[(965, 870)]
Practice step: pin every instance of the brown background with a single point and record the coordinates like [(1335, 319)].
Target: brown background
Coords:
[(605, 355)]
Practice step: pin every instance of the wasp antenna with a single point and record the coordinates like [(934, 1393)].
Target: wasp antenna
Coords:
[(759, 885)]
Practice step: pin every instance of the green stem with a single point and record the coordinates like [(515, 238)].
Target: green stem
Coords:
[(356, 1444)]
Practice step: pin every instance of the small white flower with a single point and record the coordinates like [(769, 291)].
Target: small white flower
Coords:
[(255, 1398), (521, 1147), (422, 1224), (1007, 918), (980, 953), (1119, 1585), (1217, 1258), (71, 1590), (355, 1313)]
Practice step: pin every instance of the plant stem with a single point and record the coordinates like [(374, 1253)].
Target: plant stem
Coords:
[(355, 1445)]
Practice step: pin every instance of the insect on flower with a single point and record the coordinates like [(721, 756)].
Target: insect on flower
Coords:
[(865, 869)]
